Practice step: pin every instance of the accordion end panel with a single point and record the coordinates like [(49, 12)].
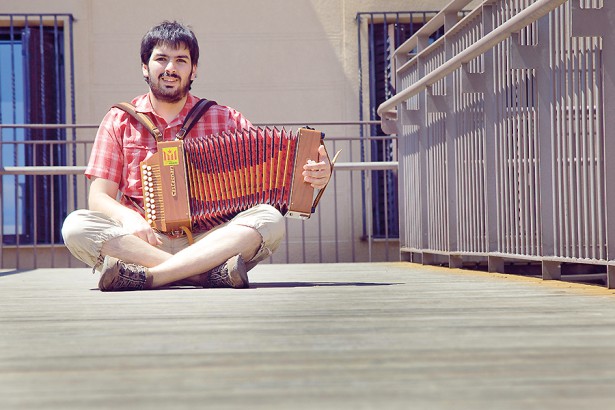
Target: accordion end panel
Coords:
[(165, 192), (302, 193)]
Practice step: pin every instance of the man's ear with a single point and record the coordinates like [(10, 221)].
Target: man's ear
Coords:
[(193, 76), (145, 70)]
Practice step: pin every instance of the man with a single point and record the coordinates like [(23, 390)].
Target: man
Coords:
[(114, 237)]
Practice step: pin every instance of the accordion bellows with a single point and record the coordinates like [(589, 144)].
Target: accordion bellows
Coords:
[(204, 181)]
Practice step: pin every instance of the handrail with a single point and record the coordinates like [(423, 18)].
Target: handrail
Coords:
[(43, 170), (78, 170), (431, 26), (525, 17), (290, 123)]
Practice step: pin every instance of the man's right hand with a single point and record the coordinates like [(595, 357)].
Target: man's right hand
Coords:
[(136, 225), (102, 198)]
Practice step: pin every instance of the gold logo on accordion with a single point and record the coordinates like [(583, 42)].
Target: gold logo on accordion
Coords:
[(170, 156)]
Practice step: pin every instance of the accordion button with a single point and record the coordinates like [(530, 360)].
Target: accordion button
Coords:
[(153, 217)]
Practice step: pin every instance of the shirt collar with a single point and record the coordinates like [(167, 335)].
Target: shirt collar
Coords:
[(143, 104)]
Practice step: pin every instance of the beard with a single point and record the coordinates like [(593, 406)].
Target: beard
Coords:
[(164, 93)]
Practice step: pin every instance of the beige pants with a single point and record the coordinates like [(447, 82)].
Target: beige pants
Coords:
[(86, 231)]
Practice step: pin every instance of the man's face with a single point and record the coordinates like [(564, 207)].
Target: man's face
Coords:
[(169, 72)]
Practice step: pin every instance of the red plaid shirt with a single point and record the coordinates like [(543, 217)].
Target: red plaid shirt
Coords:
[(122, 142)]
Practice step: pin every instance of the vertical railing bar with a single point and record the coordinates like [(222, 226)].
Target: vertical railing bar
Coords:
[(469, 133), (525, 228), (507, 135), (600, 155), (18, 219), (72, 100), (361, 117), (431, 181), (56, 149), (578, 138), (525, 231), (510, 156), (303, 250), (336, 212), (516, 152), (473, 100), (462, 170), (439, 192), (478, 212), (435, 181), (586, 223), (557, 185), (596, 245), (468, 156), (442, 196), (529, 107), (535, 163), (497, 80), (567, 153), (535, 169), (383, 144)]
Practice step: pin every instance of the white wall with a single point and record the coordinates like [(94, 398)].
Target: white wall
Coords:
[(274, 60)]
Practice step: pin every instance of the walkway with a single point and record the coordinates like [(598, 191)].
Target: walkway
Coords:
[(334, 336)]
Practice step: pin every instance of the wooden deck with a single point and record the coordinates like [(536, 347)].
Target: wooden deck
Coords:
[(334, 336)]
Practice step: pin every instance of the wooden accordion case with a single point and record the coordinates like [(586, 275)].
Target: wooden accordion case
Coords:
[(204, 181)]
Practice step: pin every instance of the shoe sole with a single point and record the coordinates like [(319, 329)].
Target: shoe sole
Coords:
[(239, 274), (105, 267)]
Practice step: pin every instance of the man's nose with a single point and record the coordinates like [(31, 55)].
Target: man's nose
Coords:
[(170, 68)]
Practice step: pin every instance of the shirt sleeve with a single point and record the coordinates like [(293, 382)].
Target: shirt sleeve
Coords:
[(107, 158), (236, 120)]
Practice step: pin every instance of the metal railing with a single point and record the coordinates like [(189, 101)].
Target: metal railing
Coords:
[(504, 138), (335, 233)]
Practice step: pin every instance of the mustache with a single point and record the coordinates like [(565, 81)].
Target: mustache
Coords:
[(169, 75)]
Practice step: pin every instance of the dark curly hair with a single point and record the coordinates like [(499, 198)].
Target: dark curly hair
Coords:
[(169, 33)]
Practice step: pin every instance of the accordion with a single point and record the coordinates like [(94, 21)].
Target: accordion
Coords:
[(204, 181)]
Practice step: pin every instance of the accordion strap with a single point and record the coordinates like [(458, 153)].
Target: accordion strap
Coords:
[(142, 118), (193, 116)]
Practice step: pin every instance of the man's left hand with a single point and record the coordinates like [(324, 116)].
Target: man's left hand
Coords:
[(318, 173)]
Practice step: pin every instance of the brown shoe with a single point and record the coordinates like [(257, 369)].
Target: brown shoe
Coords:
[(231, 274), (118, 275)]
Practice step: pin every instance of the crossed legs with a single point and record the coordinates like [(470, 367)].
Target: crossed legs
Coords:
[(253, 234)]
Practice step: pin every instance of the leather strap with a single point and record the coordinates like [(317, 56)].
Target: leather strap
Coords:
[(193, 116), (142, 118)]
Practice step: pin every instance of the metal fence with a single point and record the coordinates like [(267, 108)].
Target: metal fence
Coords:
[(339, 231), (505, 138)]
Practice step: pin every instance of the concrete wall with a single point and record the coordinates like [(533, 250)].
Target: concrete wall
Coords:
[(274, 60)]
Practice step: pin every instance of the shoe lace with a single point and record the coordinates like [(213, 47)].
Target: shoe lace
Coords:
[(218, 277)]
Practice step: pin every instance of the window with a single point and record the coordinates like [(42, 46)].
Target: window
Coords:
[(33, 90), (384, 33)]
